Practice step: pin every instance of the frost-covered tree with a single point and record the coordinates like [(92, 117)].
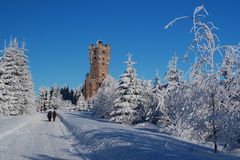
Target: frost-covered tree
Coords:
[(173, 75), (55, 98), (156, 101), (229, 132), (103, 100), (145, 88), (195, 72), (214, 109), (4, 107), (18, 97), (43, 99), (177, 114), (12, 83), (76, 96), (67, 105), (26, 80), (127, 106), (52, 99), (81, 103), (165, 110)]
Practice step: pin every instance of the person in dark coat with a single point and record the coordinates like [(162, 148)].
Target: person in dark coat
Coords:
[(49, 115), (54, 115)]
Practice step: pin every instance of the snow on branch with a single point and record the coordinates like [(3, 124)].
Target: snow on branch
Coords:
[(174, 21)]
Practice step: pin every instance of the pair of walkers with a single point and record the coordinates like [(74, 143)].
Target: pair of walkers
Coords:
[(51, 115)]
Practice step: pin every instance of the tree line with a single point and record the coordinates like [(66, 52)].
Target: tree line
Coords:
[(60, 98)]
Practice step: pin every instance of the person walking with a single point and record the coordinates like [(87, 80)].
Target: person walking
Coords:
[(54, 115), (49, 115)]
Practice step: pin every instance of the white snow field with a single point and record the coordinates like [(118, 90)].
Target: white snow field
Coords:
[(81, 137)]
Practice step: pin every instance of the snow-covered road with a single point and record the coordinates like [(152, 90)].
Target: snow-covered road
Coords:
[(33, 137)]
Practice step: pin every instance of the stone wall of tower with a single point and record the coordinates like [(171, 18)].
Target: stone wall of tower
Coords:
[(99, 57)]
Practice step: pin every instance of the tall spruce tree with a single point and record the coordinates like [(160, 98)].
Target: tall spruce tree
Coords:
[(127, 107), (17, 90)]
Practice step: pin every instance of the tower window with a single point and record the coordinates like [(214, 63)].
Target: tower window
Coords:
[(103, 74), (95, 54), (103, 64)]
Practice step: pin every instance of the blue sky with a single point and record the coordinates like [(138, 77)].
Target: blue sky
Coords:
[(58, 32)]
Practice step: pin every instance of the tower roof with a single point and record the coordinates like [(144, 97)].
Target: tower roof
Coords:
[(98, 41)]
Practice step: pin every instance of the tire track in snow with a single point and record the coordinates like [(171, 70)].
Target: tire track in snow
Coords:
[(20, 126), (69, 137)]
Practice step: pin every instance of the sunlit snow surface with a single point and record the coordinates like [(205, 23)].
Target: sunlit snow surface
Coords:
[(98, 139), (33, 137)]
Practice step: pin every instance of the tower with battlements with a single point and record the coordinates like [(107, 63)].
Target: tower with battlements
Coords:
[(99, 56)]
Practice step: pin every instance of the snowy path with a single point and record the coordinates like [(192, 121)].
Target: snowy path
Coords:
[(35, 139)]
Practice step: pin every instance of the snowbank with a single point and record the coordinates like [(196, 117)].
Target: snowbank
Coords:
[(99, 140)]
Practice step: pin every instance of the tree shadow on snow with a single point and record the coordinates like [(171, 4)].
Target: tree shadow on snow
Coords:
[(43, 157), (119, 144), (155, 130), (87, 115), (124, 143)]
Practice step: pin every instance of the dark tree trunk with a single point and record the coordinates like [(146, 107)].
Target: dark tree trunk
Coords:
[(214, 126)]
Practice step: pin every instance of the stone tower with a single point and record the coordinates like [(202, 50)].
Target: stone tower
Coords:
[(99, 56)]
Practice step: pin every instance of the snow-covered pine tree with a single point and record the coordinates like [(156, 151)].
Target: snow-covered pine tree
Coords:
[(55, 98), (103, 100), (173, 75), (157, 101), (173, 82), (65, 93), (43, 99), (10, 76), (26, 80), (145, 88), (127, 106), (81, 103), (157, 87), (4, 107), (17, 83), (76, 95)]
